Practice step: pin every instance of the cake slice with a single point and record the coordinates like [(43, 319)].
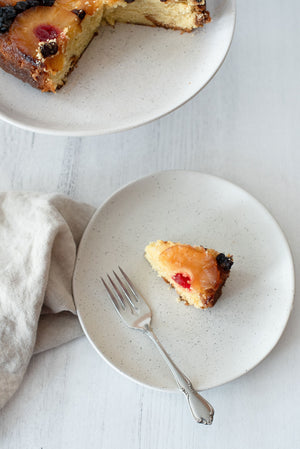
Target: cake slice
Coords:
[(197, 273)]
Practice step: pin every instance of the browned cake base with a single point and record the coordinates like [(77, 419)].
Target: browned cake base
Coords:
[(29, 70)]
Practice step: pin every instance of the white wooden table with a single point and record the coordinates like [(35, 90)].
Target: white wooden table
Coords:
[(244, 126)]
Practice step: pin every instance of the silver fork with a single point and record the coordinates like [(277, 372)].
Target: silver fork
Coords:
[(136, 314)]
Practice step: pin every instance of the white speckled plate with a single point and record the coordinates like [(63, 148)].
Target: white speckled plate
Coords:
[(129, 75), (211, 346)]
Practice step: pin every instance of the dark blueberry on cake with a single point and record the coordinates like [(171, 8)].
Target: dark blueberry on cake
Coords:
[(49, 49), (7, 16), (80, 13), (224, 262)]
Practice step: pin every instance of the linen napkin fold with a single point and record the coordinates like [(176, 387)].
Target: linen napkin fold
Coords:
[(39, 236)]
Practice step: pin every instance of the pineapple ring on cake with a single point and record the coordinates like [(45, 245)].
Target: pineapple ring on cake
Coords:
[(86, 6), (38, 27), (197, 273)]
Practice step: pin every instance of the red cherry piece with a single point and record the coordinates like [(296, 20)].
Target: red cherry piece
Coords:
[(182, 280), (46, 32)]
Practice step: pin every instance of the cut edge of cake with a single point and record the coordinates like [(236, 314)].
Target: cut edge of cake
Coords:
[(185, 15)]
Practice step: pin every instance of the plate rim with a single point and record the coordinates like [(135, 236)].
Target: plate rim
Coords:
[(99, 132), (208, 175)]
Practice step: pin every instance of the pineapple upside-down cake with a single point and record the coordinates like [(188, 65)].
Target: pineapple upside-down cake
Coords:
[(41, 40)]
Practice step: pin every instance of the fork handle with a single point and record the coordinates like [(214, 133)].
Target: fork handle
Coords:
[(201, 410)]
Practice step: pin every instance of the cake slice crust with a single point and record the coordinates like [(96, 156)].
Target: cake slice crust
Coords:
[(197, 273)]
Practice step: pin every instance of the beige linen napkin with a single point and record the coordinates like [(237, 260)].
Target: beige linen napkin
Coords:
[(39, 236)]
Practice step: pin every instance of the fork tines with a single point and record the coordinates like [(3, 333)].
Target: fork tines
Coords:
[(121, 291)]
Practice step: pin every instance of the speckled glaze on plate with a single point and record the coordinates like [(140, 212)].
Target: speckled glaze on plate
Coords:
[(129, 75), (212, 346)]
